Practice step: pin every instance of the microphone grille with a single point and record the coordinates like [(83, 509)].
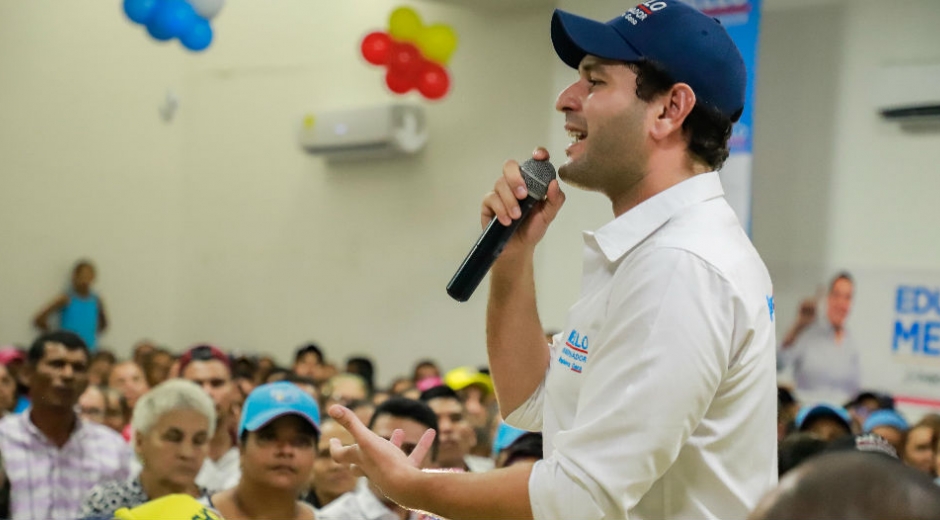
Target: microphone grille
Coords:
[(537, 175)]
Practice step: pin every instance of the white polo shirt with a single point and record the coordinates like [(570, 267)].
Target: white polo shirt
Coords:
[(660, 399)]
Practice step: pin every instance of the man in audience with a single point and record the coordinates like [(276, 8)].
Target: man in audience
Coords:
[(455, 435), (309, 362), (821, 356), (210, 368), (51, 456), (345, 389), (363, 367), (330, 480), (7, 391), (825, 421), (476, 393), (117, 414), (157, 366), (128, 378), (889, 425), (851, 485), (526, 448), (99, 370), (367, 502)]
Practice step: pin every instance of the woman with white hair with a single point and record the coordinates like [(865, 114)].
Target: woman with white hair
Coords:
[(172, 426)]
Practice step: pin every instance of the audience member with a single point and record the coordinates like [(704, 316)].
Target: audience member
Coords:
[(305, 383), (278, 437), (7, 391), (14, 359), (787, 408), (344, 389), (210, 368), (80, 310), (826, 421), (117, 413), (920, 448), (309, 362), (425, 369), (141, 350), (157, 366), (889, 425), (796, 449), (92, 405), (821, 356), (455, 435), (363, 367), (867, 442), (476, 392), (526, 448), (399, 386), (172, 426), (51, 456), (102, 361), (128, 378), (276, 374), (367, 502), (851, 486), (330, 480), (363, 410)]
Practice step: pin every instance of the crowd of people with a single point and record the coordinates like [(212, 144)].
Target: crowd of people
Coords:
[(85, 434)]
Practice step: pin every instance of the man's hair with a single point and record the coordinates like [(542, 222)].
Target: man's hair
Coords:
[(852, 485), (309, 348), (70, 340), (104, 354), (364, 367), (841, 275), (84, 262), (437, 392), (797, 448), (707, 129), (404, 408), (527, 446)]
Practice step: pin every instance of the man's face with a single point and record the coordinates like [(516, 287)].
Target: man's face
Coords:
[(92, 405), (607, 123), (455, 435), (7, 390), (839, 302), (83, 277), (827, 428), (330, 479), (60, 377), (386, 424), (214, 377), (345, 390), (128, 379), (158, 368), (307, 365)]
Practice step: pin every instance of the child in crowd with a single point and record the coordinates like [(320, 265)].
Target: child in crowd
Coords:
[(80, 310)]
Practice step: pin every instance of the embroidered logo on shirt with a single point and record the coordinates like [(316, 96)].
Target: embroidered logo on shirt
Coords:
[(575, 352), (771, 307)]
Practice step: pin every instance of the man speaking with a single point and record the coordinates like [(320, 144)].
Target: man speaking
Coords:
[(656, 401)]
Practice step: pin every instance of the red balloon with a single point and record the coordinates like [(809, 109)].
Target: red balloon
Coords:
[(405, 60), (376, 48), (433, 81), (399, 83)]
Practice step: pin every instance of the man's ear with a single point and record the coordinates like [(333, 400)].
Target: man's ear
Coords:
[(674, 107)]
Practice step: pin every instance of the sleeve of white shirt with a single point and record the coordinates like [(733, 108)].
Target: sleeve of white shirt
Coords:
[(658, 360), (528, 416)]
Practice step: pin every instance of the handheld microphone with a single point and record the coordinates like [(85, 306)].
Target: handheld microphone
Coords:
[(537, 176)]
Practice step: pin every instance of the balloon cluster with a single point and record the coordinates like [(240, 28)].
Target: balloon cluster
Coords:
[(414, 54), (187, 20)]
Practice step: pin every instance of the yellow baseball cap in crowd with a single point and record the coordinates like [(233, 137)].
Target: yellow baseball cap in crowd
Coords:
[(460, 378), (170, 507)]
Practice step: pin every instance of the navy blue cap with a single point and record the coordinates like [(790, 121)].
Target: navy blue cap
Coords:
[(808, 413), (690, 46)]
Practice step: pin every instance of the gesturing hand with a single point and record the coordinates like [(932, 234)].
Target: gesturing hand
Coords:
[(382, 461)]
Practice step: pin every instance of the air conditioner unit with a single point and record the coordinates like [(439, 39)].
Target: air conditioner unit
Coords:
[(364, 133), (908, 92)]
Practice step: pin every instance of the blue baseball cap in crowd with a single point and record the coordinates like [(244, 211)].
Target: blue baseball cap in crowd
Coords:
[(268, 402), (690, 46), (808, 413), (885, 418)]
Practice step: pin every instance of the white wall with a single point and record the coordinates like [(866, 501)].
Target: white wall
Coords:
[(217, 227)]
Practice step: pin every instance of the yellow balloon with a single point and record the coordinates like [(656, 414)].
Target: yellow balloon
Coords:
[(405, 24), (437, 43)]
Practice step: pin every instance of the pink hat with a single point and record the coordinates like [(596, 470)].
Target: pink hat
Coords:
[(9, 354), (429, 382)]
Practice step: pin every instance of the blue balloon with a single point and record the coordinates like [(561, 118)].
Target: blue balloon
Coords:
[(199, 36), (140, 11), (172, 19)]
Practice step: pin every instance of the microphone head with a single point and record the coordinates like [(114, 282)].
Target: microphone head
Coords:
[(537, 175)]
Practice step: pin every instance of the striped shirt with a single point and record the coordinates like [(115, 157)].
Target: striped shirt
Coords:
[(51, 482)]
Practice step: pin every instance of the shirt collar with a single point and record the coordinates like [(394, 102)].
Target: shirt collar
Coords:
[(34, 430), (618, 237)]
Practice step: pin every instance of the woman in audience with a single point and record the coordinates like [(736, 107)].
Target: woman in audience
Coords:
[(7, 391), (278, 436), (920, 448), (172, 426), (117, 414)]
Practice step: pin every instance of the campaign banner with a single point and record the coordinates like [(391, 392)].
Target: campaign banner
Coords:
[(741, 18), (895, 321)]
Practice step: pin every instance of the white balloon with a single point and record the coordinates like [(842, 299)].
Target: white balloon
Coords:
[(207, 8)]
